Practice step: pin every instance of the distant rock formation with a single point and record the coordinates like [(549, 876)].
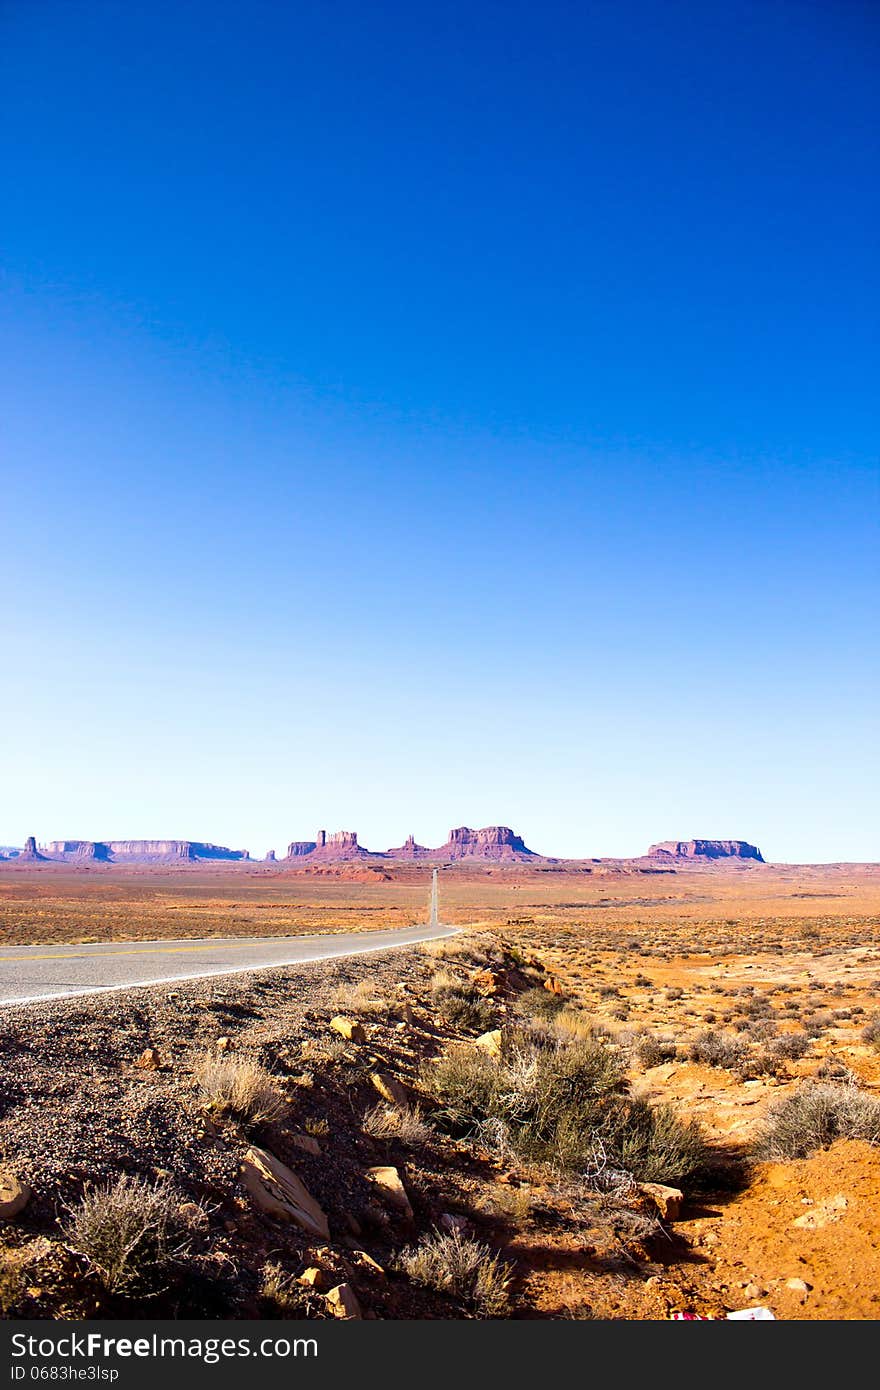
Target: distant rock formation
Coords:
[(705, 849), (495, 842), (337, 844), (270, 856), (30, 854), (137, 851), (408, 850), (79, 850)]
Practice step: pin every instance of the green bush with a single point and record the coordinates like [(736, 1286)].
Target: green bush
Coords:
[(566, 1105), (540, 1003), (461, 1006)]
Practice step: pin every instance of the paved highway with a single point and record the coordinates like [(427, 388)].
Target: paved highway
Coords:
[(29, 974)]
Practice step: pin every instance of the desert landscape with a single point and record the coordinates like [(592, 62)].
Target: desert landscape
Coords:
[(629, 1089)]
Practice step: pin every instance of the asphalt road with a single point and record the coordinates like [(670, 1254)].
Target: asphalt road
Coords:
[(32, 973)]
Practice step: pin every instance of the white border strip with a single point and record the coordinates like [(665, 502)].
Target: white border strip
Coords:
[(232, 970)]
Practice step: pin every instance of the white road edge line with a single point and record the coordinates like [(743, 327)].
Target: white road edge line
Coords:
[(233, 970)]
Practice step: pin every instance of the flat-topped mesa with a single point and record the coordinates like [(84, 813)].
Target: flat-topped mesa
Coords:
[(335, 844), (299, 849), (79, 850), (492, 842), (139, 851), (705, 849)]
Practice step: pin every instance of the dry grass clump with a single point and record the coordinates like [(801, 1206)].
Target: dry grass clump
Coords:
[(129, 1232), (539, 1003), (814, 1116), (283, 1295), (467, 949), (243, 1089), (359, 999), (406, 1124), (561, 1103), (453, 1263)]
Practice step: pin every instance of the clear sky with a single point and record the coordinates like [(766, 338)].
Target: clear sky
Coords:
[(426, 414)]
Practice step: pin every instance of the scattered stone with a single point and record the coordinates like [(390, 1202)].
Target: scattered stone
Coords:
[(390, 1089), (307, 1144), (14, 1196), (362, 1258), (313, 1278), (390, 1189), (192, 1214), (823, 1215), (149, 1059), (449, 1222), (668, 1200), (490, 1042), (487, 982), (348, 1028), (798, 1285), (343, 1303), (224, 1044), (553, 986), (278, 1192)]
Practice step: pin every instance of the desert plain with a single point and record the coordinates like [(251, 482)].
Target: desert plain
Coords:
[(726, 991)]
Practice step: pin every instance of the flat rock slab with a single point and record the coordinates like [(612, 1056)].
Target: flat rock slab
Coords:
[(277, 1191)]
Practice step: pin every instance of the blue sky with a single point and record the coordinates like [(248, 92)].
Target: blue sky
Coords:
[(419, 414)]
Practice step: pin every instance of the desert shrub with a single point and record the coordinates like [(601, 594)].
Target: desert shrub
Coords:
[(562, 1104), (642, 981), (129, 1232), (871, 1032), (834, 1068), (540, 1003), (656, 1145), (763, 1028), (453, 1263), (243, 1089), (609, 992), (651, 1051), (406, 1124), (758, 1006), (716, 1049), (814, 1116), (461, 1005), (676, 992), (789, 1046)]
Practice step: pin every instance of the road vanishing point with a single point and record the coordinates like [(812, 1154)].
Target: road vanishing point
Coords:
[(36, 974)]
